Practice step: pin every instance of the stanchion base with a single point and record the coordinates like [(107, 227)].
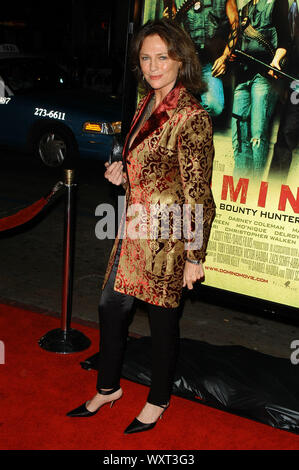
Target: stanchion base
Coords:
[(64, 342)]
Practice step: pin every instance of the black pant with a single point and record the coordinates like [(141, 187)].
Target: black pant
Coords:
[(114, 310)]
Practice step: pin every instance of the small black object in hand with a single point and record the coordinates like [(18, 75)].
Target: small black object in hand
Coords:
[(117, 150)]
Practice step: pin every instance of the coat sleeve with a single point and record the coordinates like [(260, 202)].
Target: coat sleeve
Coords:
[(195, 153)]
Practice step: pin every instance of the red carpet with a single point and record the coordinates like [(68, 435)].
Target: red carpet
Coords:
[(39, 387)]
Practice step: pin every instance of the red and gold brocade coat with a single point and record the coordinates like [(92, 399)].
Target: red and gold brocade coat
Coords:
[(169, 162)]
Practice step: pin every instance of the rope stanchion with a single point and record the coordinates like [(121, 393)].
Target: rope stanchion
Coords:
[(65, 339), (24, 215)]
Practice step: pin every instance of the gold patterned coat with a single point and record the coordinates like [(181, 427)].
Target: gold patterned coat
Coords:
[(168, 164)]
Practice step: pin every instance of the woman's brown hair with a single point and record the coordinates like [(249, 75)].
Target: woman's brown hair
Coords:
[(180, 48)]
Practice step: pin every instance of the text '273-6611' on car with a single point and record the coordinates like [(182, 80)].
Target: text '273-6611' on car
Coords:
[(41, 111)]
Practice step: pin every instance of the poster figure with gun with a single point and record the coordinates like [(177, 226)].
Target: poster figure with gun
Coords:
[(210, 24), (264, 39), (288, 132)]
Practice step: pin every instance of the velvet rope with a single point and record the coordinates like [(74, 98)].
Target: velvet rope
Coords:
[(28, 213)]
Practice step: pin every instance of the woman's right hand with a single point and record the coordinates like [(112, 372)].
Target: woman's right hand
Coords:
[(114, 173)]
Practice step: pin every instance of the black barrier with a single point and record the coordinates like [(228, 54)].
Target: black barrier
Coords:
[(65, 339), (234, 379)]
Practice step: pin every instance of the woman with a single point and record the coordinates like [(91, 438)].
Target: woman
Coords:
[(265, 37), (207, 23), (168, 160), (287, 138)]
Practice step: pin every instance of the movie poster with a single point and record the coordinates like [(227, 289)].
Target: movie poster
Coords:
[(254, 243)]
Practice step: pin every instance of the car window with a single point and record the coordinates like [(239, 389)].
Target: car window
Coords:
[(22, 75)]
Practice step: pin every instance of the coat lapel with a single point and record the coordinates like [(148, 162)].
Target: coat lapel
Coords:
[(156, 120), (140, 108)]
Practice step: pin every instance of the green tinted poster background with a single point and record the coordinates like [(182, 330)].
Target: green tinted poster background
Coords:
[(254, 243)]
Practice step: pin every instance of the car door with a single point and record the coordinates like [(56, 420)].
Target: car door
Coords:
[(14, 113)]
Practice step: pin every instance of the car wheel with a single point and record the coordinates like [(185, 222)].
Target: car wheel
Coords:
[(55, 146)]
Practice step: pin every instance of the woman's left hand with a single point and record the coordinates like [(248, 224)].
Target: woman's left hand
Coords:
[(114, 173), (192, 273)]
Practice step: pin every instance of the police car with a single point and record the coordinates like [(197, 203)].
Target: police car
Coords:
[(40, 111)]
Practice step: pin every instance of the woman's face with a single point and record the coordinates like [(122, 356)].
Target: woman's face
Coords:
[(159, 70)]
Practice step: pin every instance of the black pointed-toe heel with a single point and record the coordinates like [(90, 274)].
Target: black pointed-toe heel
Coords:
[(82, 412), (138, 426)]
